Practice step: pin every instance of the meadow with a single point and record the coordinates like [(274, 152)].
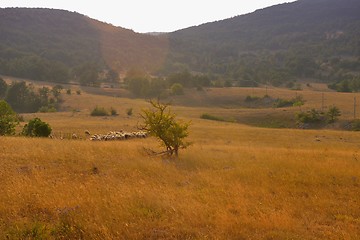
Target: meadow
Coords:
[(234, 182)]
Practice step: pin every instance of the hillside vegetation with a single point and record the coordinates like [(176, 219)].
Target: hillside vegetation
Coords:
[(59, 46), (283, 43), (279, 45)]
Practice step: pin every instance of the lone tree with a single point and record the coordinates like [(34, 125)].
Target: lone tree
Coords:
[(161, 123)]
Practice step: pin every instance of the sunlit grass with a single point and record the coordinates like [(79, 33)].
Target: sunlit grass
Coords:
[(238, 183), (233, 182)]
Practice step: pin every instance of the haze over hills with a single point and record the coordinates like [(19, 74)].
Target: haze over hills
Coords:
[(307, 39), (40, 43)]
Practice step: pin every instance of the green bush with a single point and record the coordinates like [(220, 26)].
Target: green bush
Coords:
[(312, 116), (177, 89), (297, 101), (251, 98), (99, 111), (8, 119), (36, 128), (279, 103), (333, 114), (46, 109), (211, 117), (113, 112), (129, 112), (355, 125)]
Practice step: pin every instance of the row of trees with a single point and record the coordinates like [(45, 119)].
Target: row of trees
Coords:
[(25, 98), (314, 116), (274, 46), (143, 85), (348, 84), (41, 69)]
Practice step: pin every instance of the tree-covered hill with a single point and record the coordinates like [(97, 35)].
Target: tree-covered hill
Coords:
[(57, 45), (305, 39), (316, 39)]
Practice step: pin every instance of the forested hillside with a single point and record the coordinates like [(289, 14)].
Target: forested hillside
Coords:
[(305, 39), (59, 46)]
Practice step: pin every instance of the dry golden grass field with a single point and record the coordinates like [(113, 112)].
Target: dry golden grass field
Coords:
[(234, 182)]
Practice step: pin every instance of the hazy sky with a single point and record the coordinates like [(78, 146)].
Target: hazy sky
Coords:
[(151, 15)]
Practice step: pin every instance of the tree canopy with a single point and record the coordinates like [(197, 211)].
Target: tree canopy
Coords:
[(160, 122), (8, 119)]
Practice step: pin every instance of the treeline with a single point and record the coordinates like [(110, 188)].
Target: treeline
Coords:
[(143, 85), (348, 84), (24, 98), (34, 67), (276, 45), (276, 68), (51, 45)]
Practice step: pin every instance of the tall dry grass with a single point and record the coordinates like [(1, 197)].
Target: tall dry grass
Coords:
[(234, 182)]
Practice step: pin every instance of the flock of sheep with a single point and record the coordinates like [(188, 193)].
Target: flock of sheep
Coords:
[(119, 135)]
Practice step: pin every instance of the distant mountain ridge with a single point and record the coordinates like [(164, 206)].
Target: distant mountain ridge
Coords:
[(306, 39), (68, 40)]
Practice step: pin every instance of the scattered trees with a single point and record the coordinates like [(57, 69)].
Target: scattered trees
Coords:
[(161, 123), (314, 116), (297, 101), (348, 83), (311, 116), (24, 98), (142, 85), (101, 111)]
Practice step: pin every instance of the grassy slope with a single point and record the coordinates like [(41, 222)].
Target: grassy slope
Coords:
[(235, 182)]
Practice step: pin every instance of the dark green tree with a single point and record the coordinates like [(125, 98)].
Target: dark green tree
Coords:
[(22, 98), (157, 87), (139, 86), (8, 119), (36, 128)]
